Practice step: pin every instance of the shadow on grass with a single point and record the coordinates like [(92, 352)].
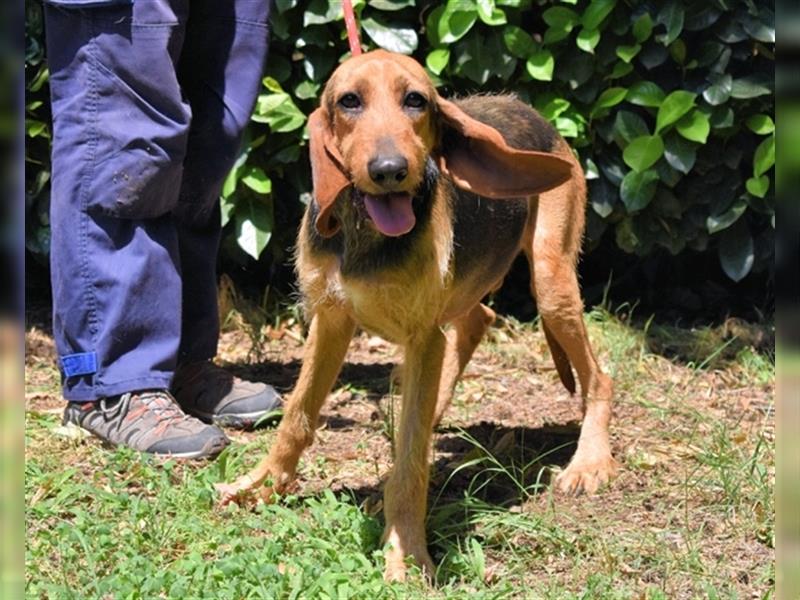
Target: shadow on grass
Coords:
[(710, 346), (483, 468), (373, 378), (497, 464)]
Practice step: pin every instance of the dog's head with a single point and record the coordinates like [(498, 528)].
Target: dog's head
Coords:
[(379, 122)]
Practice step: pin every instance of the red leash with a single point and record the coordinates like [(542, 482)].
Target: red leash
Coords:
[(352, 28)]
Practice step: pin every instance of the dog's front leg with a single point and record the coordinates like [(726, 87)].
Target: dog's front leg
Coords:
[(406, 492), (329, 336)]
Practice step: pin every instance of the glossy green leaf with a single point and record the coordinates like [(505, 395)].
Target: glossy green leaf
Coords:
[(456, 21), (490, 14), (719, 90), (758, 186), (749, 87), (518, 41), (554, 108), (736, 251), (437, 60), (279, 111), (679, 153), (761, 27), (610, 97), (227, 208), (307, 90), (390, 36), (554, 35), (254, 224), (761, 124), (561, 16), (540, 65), (627, 127), (590, 169), (642, 28), (587, 39), (721, 117), (716, 223), (764, 157), (567, 127), (34, 128), (694, 126), (626, 236), (638, 189), (645, 93), (667, 175), (479, 58), (620, 70), (602, 196), (596, 12), (256, 180), (391, 5), (628, 53), (320, 12), (229, 186), (674, 106), (671, 17), (643, 152), (42, 77), (272, 85), (677, 50), (433, 24)]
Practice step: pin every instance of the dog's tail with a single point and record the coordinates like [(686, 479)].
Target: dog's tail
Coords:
[(560, 359)]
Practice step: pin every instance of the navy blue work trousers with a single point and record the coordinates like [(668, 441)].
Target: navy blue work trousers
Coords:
[(150, 99)]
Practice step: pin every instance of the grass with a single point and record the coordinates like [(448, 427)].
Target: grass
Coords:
[(690, 516)]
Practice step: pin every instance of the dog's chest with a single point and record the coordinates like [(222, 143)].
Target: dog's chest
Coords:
[(396, 306)]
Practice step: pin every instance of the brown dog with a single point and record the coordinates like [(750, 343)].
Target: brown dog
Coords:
[(420, 207)]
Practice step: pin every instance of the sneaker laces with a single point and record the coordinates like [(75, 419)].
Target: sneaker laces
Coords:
[(159, 403), (165, 409)]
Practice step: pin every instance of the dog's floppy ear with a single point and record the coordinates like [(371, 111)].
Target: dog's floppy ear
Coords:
[(478, 159), (327, 174)]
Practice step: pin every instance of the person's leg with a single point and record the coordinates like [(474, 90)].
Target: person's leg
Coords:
[(221, 68), (120, 131), (220, 71)]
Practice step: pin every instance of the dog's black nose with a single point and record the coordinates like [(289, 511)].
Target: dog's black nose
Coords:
[(388, 169)]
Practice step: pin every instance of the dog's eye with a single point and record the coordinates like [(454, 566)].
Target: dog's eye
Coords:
[(350, 101), (414, 100)]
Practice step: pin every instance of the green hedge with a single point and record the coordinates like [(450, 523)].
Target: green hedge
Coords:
[(669, 104)]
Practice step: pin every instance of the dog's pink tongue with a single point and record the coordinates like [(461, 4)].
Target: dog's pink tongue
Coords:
[(391, 213)]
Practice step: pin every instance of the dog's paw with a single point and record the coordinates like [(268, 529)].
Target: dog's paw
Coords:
[(587, 475), (397, 565), (242, 492)]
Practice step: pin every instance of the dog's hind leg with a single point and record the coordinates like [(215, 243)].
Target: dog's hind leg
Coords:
[(462, 339), (552, 244), (555, 286), (406, 491), (329, 336)]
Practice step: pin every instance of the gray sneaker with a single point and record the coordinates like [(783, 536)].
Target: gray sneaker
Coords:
[(148, 421), (212, 394)]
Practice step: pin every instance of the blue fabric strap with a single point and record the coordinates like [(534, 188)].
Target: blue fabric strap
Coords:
[(84, 363)]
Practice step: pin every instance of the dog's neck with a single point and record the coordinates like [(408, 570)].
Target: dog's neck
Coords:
[(361, 249)]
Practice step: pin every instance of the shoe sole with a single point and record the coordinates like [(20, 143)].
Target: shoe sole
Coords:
[(204, 452), (239, 420)]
